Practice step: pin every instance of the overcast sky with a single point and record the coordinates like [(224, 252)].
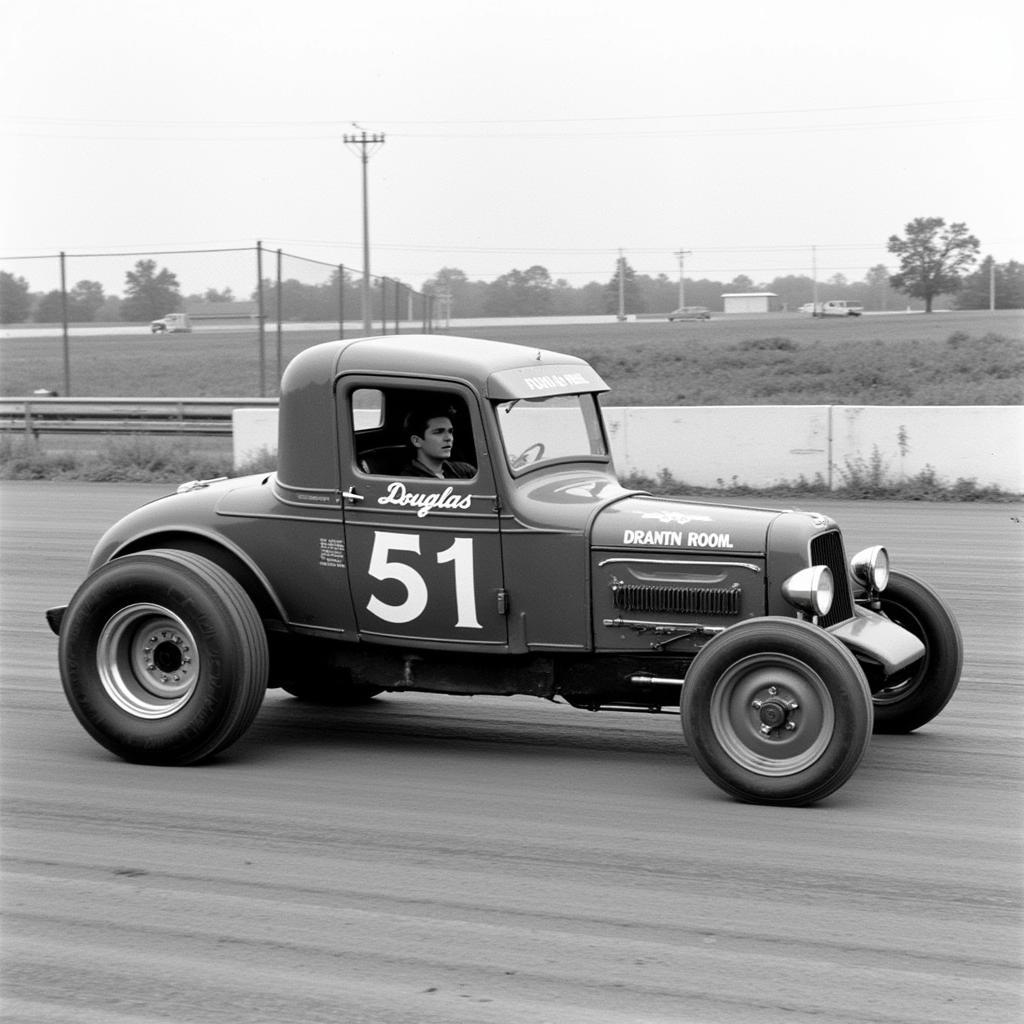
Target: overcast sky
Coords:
[(542, 131)]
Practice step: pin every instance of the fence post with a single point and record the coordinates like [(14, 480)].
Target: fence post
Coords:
[(64, 323), (280, 368), (341, 300), (260, 314)]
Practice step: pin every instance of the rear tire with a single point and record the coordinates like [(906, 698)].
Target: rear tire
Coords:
[(776, 711), (163, 657)]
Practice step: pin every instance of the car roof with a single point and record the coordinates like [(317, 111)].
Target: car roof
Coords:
[(495, 369)]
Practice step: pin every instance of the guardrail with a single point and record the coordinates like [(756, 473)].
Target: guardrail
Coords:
[(191, 416)]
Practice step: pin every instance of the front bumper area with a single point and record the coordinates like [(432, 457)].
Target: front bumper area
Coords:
[(55, 616), (875, 638)]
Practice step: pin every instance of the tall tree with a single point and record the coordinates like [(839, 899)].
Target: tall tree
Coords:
[(85, 300), (149, 294), (468, 298), (50, 308), (632, 299), (932, 258), (740, 283), (15, 300), (520, 293)]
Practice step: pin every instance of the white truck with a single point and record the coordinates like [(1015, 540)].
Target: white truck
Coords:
[(173, 323), (835, 307)]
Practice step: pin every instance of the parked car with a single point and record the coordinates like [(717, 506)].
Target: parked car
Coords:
[(690, 313), (528, 570)]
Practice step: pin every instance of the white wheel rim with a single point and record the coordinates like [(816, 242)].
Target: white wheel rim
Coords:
[(148, 661)]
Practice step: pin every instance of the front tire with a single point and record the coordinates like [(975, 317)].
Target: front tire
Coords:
[(776, 711), (163, 657), (915, 696)]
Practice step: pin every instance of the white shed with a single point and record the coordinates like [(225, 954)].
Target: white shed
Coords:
[(750, 302)]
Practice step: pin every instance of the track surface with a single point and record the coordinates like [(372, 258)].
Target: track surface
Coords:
[(429, 859)]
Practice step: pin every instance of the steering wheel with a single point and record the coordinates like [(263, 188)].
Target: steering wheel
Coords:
[(529, 454)]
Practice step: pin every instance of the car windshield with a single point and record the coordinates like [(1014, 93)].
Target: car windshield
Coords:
[(535, 430)]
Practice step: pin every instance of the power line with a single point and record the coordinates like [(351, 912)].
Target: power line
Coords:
[(984, 101)]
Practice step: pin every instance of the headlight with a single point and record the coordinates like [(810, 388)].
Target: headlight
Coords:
[(811, 590), (871, 567)]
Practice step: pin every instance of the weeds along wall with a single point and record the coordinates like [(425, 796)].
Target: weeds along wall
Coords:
[(764, 445)]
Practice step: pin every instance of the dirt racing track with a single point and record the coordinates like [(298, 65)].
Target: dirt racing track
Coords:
[(440, 860)]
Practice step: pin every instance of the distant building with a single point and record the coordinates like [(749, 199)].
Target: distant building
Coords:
[(751, 302)]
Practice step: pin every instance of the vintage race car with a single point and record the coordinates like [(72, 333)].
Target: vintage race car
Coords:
[(532, 570)]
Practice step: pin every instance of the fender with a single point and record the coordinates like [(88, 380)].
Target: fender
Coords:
[(217, 548)]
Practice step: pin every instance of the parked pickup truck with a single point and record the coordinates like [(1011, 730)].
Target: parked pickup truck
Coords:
[(525, 567), (173, 323), (834, 307)]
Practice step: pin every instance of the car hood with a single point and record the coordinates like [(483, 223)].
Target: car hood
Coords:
[(675, 525)]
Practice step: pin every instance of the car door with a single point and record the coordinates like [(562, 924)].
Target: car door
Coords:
[(424, 554)]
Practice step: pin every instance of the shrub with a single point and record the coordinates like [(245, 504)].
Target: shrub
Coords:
[(767, 345)]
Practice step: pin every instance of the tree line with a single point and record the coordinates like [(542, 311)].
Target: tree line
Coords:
[(936, 262)]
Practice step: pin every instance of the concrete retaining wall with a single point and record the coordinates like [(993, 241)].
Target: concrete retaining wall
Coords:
[(761, 445)]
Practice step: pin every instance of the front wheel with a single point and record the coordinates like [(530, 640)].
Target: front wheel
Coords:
[(917, 694), (163, 657), (776, 711)]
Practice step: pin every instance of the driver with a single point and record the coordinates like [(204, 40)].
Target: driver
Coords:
[(430, 436)]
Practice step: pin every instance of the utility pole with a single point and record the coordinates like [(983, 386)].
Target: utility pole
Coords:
[(622, 286), (367, 145), (814, 279), (681, 256)]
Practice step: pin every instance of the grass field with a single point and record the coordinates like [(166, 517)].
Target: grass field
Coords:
[(944, 359), (960, 358)]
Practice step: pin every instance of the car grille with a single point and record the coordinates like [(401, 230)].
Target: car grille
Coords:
[(827, 549), (677, 600)]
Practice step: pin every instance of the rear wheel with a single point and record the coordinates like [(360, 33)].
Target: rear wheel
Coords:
[(776, 711), (163, 657)]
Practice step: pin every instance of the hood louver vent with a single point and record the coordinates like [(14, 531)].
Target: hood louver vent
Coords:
[(677, 600)]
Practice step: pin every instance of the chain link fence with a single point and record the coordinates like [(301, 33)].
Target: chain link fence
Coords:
[(247, 300)]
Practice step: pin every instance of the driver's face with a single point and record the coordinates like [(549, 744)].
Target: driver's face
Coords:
[(436, 442)]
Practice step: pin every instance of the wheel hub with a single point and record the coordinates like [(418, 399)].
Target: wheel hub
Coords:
[(165, 665), (147, 661), (772, 714), (775, 711)]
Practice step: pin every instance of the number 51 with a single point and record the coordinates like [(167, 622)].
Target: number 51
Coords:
[(460, 553)]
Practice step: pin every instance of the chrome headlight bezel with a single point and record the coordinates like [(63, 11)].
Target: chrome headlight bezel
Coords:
[(870, 568), (811, 590)]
